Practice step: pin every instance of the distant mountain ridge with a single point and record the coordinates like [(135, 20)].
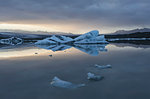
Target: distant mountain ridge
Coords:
[(33, 32), (131, 31)]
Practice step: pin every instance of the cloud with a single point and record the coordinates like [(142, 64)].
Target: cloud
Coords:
[(104, 13)]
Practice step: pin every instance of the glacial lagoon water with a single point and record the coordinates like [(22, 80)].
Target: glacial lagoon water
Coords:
[(27, 71)]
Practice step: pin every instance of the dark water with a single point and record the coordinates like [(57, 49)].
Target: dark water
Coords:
[(26, 73)]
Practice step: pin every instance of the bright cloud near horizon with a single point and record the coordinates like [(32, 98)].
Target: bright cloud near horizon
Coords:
[(76, 16)]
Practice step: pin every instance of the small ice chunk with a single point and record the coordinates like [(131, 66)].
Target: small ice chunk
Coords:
[(102, 66), (64, 84), (94, 77)]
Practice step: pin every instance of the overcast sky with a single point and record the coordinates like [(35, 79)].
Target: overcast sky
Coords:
[(75, 15)]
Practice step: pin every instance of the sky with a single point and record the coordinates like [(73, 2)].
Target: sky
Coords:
[(75, 16)]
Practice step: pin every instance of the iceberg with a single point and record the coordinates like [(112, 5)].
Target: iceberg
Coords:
[(54, 40), (46, 41), (12, 41), (91, 43), (91, 37), (94, 77), (88, 35), (66, 39), (102, 66), (64, 84)]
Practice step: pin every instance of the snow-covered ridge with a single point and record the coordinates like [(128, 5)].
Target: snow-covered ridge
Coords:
[(91, 37), (132, 31)]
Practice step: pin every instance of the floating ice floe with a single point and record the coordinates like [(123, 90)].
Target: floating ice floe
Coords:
[(12, 41), (92, 37), (103, 66), (94, 77), (64, 84)]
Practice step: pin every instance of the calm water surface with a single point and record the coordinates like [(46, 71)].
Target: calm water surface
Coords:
[(26, 73)]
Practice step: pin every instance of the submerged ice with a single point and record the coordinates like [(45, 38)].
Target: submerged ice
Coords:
[(64, 84), (102, 66)]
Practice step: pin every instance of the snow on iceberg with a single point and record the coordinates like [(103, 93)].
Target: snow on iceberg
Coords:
[(102, 66), (66, 39), (12, 41), (94, 77), (64, 84), (54, 40), (88, 35)]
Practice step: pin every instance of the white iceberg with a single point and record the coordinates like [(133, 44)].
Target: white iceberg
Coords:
[(46, 41), (103, 66), (54, 40), (66, 39), (92, 37), (64, 84), (91, 34), (94, 77)]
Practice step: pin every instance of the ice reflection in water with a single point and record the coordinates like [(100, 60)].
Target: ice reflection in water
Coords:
[(91, 49)]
